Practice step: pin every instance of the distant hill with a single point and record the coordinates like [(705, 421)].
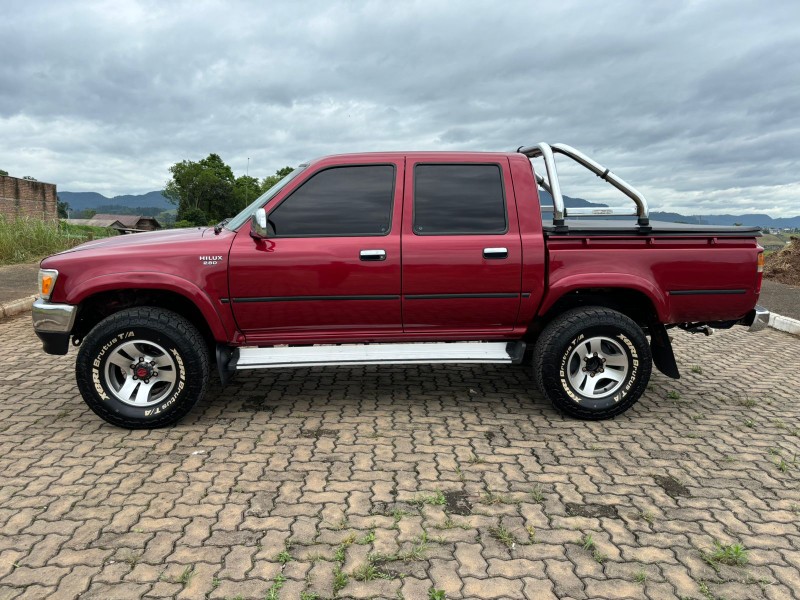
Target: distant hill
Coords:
[(93, 200), (753, 219), (146, 203)]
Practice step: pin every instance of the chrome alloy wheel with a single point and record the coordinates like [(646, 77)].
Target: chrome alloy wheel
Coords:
[(140, 373), (597, 367)]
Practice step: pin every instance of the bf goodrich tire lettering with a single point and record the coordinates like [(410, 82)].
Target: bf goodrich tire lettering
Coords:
[(142, 367), (592, 363)]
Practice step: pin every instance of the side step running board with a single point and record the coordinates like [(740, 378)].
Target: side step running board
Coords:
[(377, 354)]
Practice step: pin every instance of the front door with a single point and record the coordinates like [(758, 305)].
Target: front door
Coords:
[(331, 264), (462, 253)]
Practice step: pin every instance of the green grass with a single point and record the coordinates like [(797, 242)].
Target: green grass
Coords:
[(435, 499), (537, 493), (28, 240), (504, 536), (492, 498), (339, 580), (273, 592), (367, 538), (434, 594), (726, 554), (647, 515), (747, 402), (367, 572), (186, 576)]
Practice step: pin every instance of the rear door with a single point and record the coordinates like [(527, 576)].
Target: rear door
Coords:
[(462, 252), (331, 264)]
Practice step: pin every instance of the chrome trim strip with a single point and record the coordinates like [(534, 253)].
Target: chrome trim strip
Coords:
[(52, 318)]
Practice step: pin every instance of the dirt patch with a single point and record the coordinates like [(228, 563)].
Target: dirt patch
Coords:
[(18, 281), (389, 509), (317, 433), (398, 568), (672, 486), (456, 503), (591, 510), (257, 405), (784, 265), (780, 298)]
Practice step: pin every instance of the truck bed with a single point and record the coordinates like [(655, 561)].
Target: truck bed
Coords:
[(584, 227), (691, 273)]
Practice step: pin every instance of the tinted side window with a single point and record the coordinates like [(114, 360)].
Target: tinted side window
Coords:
[(458, 199), (342, 201)]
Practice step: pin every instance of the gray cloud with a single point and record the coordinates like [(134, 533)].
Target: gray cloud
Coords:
[(696, 103)]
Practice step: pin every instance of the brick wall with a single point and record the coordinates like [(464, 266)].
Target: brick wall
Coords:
[(26, 198)]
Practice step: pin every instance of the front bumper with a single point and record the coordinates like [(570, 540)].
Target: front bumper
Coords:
[(53, 324), (757, 319)]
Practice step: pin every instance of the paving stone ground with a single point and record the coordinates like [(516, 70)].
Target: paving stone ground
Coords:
[(387, 482)]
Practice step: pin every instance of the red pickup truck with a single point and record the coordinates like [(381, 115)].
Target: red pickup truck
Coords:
[(402, 257)]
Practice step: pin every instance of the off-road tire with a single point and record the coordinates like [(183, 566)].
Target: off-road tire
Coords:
[(168, 329), (557, 342)]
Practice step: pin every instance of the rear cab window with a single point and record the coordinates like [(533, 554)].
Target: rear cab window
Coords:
[(459, 199)]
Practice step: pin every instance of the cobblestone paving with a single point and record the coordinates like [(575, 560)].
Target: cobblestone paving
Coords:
[(389, 482)]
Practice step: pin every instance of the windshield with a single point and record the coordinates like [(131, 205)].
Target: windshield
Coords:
[(243, 216)]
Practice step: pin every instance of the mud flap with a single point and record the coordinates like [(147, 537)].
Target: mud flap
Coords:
[(661, 349), (224, 357)]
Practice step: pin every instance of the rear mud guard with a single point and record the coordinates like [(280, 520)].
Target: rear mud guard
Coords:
[(225, 355), (661, 349)]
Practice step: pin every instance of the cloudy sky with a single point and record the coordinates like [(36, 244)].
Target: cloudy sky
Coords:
[(695, 103)]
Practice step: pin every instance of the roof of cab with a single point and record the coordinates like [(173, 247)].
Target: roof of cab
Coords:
[(448, 155)]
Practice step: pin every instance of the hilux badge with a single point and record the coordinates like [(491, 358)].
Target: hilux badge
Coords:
[(210, 260)]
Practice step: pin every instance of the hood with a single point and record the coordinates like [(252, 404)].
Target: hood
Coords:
[(167, 236)]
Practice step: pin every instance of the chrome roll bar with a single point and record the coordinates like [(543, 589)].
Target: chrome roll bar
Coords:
[(560, 212)]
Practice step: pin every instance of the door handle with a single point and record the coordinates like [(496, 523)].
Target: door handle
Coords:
[(495, 253), (372, 255)]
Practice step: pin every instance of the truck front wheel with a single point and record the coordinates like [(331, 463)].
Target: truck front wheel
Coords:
[(592, 363), (142, 368)]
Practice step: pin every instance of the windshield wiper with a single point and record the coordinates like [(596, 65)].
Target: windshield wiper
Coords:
[(218, 227)]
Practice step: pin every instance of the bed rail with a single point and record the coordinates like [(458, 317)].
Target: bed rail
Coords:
[(551, 184)]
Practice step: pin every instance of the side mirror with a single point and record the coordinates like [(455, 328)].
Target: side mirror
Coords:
[(258, 224)]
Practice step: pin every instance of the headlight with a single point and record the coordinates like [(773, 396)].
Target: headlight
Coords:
[(47, 281)]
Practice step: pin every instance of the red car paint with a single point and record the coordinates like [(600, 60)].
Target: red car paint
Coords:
[(695, 276)]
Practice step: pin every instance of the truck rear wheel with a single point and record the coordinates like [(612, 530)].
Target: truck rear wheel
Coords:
[(592, 363), (142, 368)]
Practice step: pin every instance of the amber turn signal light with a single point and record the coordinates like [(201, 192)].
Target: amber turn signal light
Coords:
[(47, 281), (760, 262)]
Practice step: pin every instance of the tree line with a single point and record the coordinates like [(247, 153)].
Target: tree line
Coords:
[(206, 191)]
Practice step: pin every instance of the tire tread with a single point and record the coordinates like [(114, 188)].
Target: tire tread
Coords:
[(145, 316), (568, 325)]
